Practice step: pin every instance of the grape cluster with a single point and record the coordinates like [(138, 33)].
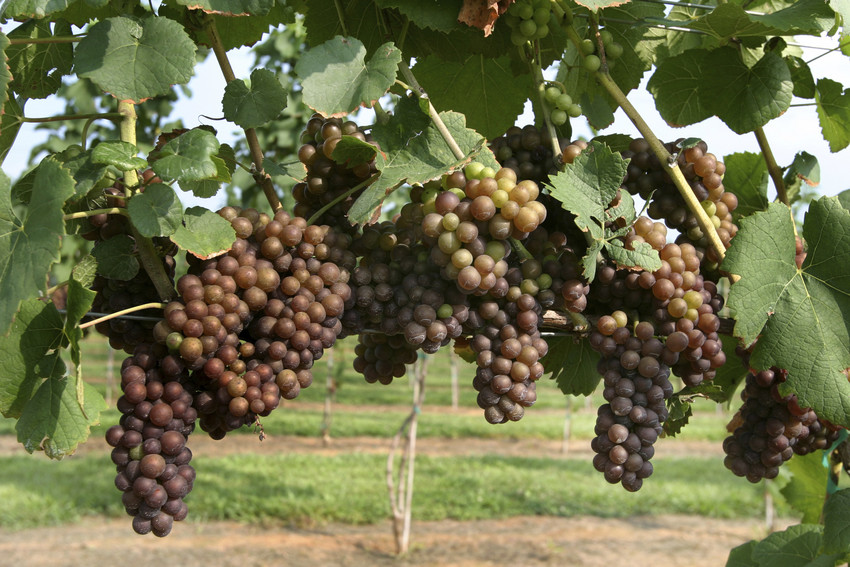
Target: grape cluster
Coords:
[(528, 20), (771, 428), (149, 441), (527, 151), (562, 106), (326, 178)]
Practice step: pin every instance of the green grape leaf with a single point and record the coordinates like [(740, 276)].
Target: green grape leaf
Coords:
[(751, 96), (87, 173), (23, 9), (642, 257), (598, 110), (353, 151), (596, 5), (798, 546), (230, 7), (833, 106), (804, 169), (38, 68), (801, 17), (205, 233), (746, 177), (676, 86), (235, 32), (730, 20), (742, 556), (336, 78), (413, 150), (30, 244), (836, 520), (35, 332), (730, 375), (10, 121), (85, 270), (438, 15), (801, 75), (78, 303), (122, 155), (623, 213), (485, 90), (116, 258), (157, 211), (572, 364), (680, 411), (844, 198), (136, 59), (188, 157), (254, 105), (807, 487), (363, 19), (294, 170), (206, 188), (797, 314), (53, 420)]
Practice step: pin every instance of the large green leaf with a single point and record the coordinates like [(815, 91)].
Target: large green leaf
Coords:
[(122, 155), (438, 15), (205, 233), (833, 106), (157, 211), (188, 157), (729, 20), (413, 150), (798, 546), (230, 7), (746, 177), (87, 174), (36, 331), (10, 121), (750, 97), (136, 59), (836, 519), (116, 258), (53, 420), (807, 488), (797, 315), (742, 556), (572, 364), (30, 244), (255, 105), (336, 78), (676, 86), (38, 68), (363, 20), (22, 9), (484, 90)]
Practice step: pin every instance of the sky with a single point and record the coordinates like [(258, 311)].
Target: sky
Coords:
[(798, 129)]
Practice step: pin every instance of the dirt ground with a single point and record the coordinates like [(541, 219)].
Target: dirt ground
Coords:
[(664, 541)]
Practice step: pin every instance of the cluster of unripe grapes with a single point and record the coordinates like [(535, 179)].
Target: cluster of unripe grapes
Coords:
[(561, 105), (528, 20), (592, 60)]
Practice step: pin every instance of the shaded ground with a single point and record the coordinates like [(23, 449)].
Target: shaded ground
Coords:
[(664, 541)]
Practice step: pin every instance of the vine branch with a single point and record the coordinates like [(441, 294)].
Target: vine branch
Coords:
[(63, 117), (772, 167), (365, 183), (262, 178), (91, 213), (40, 40), (154, 305)]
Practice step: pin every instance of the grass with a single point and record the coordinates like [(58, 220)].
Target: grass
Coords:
[(304, 489)]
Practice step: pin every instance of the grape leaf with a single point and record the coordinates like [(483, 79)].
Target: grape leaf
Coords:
[(676, 86), (730, 20), (844, 198), (36, 331), (801, 75), (205, 233), (188, 157), (85, 270), (255, 105), (363, 19), (801, 17), (87, 174), (157, 211), (38, 68), (833, 106), (353, 151), (54, 422), (485, 90), (336, 79), (413, 150), (438, 15), (572, 364), (225, 164), (730, 375), (797, 314), (122, 155), (116, 258), (10, 121), (742, 556), (807, 487), (751, 97), (234, 32), (804, 169), (836, 520), (642, 257), (680, 412), (746, 177), (230, 7), (294, 170), (798, 546), (136, 59), (78, 303), (30, 245)]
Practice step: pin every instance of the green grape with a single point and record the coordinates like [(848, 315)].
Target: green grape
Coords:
[(487, 172), (614, 51), (528, 28), (587, 47), (574, 111), (473, 170), (592, 63), (552, 94), (558, 117), (564, 101), (542, 31), (541, 16), (606, 37)]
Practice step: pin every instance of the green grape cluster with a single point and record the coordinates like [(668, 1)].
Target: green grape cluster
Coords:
[(528, 20), (561, 106), (613, 51)]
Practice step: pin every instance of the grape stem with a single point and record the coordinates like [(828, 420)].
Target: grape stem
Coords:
[(63, 117), (261, 178), (93, 212), (432, 112), (341, 15), (153, 305), (365, 183), (40, 40), (541, 90), (772, 167), (147, 253)]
